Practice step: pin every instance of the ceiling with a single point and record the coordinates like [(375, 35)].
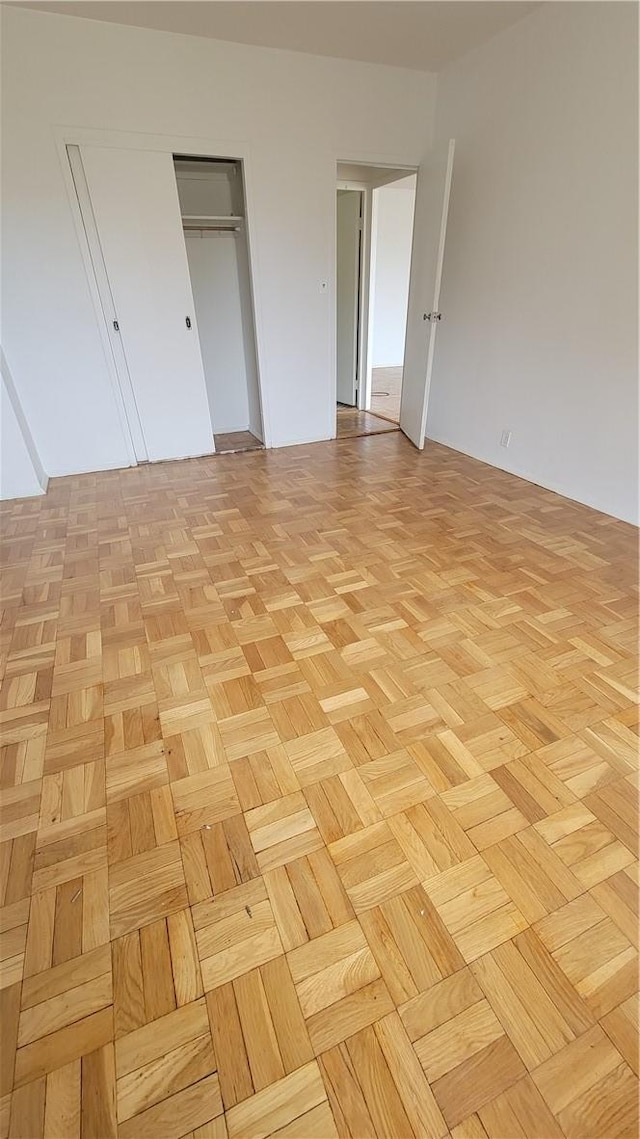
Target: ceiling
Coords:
[(424, 35)]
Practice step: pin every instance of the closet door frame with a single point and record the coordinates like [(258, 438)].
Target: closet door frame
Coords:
[(174, 145)]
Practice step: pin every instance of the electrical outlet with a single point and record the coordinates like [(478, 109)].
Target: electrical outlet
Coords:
[(505, 439)]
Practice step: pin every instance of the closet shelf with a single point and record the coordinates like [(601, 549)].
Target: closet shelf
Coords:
[(213, 217)]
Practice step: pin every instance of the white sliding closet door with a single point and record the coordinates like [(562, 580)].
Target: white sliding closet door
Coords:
[(135, 203)]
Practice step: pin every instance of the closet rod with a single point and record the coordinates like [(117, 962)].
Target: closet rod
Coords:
[(213, 228)]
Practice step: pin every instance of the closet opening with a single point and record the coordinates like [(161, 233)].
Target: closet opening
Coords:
[(213, 211)]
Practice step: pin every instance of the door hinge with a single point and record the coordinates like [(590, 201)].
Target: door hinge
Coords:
[(116, 326), (432, 316)]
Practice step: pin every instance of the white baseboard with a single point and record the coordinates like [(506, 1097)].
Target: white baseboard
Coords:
[(529, 476)]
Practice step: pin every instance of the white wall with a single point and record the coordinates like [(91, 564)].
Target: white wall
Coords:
[(21, 473), (292, 115), (539, 293), (394, 225)]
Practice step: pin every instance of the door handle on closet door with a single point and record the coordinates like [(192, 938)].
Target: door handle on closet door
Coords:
[(188, 321)]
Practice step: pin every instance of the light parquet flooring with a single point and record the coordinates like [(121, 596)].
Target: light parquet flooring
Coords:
[(319, 778)]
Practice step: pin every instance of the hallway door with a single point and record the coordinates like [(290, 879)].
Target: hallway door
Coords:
[(423, 317), (348, 259)]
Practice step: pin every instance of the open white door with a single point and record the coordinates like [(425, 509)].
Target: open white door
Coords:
[(137, 213), (429, 232), (348, 293)]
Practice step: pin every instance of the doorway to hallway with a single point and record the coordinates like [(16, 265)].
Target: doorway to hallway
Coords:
[(374, 222)]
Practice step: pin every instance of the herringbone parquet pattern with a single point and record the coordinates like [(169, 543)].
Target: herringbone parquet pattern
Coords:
[(318, 776)]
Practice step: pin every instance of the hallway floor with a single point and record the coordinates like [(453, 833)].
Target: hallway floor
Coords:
[(319, 779), (386, 392), (352, 423), (231, 441)]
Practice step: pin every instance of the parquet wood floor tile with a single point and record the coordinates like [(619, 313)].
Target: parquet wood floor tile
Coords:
[(593, 952), (235, 933), (474, 907), (372, 866), (282, 830), (155, 970), (307, 898), (411, 946), (258, 1030), (318, 803)]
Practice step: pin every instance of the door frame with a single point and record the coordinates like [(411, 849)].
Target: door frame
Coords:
[(235, 150), (367, 269), (365, 302)]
